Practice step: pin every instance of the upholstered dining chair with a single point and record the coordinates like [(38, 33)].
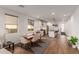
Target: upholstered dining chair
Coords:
[(24, 41), (36, 38)]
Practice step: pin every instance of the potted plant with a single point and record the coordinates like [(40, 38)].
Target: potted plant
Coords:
[(73, 41)]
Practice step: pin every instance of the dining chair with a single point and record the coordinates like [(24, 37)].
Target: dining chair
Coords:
[(24, 41), (36, 39)]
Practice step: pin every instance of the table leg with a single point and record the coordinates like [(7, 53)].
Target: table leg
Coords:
[(9, 46), (30, 44), (13, 46)]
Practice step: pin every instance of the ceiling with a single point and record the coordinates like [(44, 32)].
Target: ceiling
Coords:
[(55, 13)]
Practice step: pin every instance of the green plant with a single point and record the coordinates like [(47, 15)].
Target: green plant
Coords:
[(73, 40)]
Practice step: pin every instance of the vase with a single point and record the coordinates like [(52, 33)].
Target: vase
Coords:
[(73, 46)]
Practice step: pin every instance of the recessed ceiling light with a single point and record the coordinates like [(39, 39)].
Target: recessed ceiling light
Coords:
[(53, 13), (65, 15)]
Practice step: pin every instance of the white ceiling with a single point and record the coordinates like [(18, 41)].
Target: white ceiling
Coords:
[(45, 11)]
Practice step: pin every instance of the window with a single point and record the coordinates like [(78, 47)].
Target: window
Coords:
[(30, 25), (11, 23)]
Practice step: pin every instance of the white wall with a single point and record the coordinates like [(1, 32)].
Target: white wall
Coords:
[(72, 26), (2, 31), (69, 27), (37, 25), (22, 26)]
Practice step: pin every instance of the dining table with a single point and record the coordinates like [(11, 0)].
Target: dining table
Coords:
[(30, 37)]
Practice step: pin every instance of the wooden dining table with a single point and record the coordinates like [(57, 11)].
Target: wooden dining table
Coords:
[(30, 37)]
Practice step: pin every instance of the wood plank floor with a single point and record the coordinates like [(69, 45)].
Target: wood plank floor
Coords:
[(57, 45), (19, 50), (60, 46)]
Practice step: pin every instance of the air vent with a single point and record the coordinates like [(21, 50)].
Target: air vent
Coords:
[(21, 6)]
